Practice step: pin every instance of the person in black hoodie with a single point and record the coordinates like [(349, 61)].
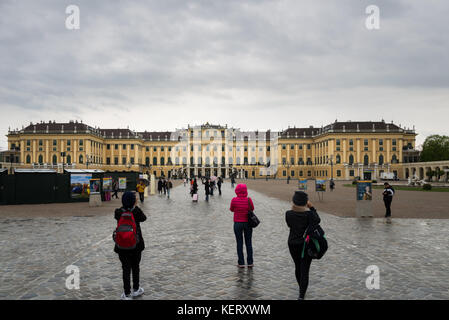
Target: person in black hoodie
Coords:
[(298, 219), (130, 259)]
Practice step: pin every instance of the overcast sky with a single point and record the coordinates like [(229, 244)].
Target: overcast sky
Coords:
[(254, 64)]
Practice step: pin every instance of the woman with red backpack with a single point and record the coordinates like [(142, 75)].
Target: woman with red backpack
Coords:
[(129, 243), (240, 205)]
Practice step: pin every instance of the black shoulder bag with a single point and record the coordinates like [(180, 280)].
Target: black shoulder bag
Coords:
[(253, 221)]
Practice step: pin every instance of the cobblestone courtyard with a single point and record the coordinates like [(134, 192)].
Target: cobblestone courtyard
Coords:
[(191, 254)]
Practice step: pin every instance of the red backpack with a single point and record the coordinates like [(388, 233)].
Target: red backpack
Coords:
[(125, 235)]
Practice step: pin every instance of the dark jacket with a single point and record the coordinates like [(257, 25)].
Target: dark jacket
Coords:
[(298, 223), (388, 193), (139, 217), (207, 187), (159, 185)]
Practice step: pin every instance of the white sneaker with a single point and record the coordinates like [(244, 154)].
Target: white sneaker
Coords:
[(126, 297), (138, 292)]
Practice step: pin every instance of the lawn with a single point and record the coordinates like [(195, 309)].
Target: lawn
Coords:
[(407, 188)]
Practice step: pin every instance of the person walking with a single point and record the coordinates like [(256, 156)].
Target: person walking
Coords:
[(388, 198), (212, 186), (141, 190), (219, 182), (115, 188), (185, 181), (232, 181), (194, 188), (298, 219), (130, 258), (169, 186), (159, 186), (206, 183), (332, 185), (164, 186), (240, 205)]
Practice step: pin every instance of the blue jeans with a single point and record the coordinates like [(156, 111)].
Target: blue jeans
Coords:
[(242, 229)]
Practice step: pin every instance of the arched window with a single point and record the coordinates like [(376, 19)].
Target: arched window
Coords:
[(41, 159), (147, 161), (351, 159), (81, 159), (381, 159), (154, 161), (200, 161), (28, 159), (55, 159), (207, 161), (338, 159), (366, 160), (394, 159), (223, 160), (230, 160), (162, 161), (69, 159), (238, 160), (215, 161)]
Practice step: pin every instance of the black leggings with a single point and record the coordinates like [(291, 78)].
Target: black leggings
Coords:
[(130, 263), (302, 267), (388, 207)]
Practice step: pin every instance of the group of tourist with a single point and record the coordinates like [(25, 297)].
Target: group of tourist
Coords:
[(209, 186), (164, 186), (299, 218)]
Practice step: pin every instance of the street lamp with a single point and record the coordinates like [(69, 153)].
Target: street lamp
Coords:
[(331, 163), (63, 160), (287, 165), (88, 160)]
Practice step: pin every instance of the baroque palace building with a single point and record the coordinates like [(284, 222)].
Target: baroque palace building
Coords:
[(340, 150)]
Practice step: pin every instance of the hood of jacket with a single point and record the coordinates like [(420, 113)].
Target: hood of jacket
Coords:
[(241, 190)]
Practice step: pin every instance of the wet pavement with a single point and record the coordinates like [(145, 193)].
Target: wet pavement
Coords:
[(191, 254)]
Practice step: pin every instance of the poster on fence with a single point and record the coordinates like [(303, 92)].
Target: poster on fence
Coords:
[(79, 185), (302, 185), (94, 186), (107, 184), (364, 190), (122, 183), (320, 185)]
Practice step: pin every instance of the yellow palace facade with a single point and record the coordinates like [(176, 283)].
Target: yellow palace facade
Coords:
[(340, 150)]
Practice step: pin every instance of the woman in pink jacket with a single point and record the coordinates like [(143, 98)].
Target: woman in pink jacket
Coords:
[(240, 206)]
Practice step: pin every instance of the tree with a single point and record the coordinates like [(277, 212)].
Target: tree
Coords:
[(435, 148)]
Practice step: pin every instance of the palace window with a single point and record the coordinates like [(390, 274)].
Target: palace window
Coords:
[(337, 159), (366, 160), (283, 147), (124, 160), (381, 159), (338, 173), (351, 159), (116, 161), (108, 161), (351, 173), (124, 147)]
